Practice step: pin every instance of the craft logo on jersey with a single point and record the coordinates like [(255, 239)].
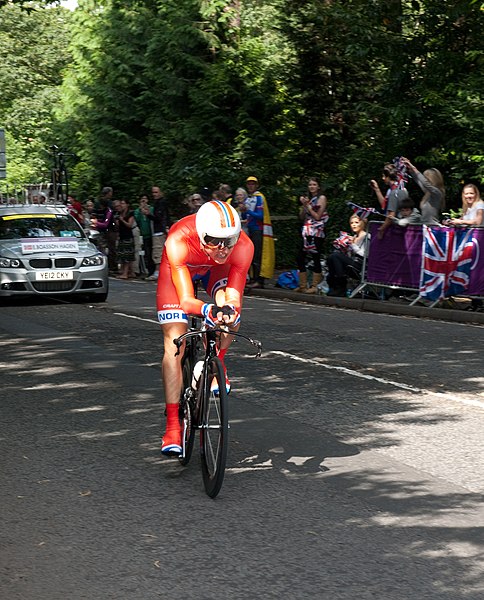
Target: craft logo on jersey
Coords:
[(447, 262)]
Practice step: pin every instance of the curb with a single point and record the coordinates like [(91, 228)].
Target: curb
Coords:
[(375, 306), (366, 305)]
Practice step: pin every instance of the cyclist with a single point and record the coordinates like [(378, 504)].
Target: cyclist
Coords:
[(208, 245)]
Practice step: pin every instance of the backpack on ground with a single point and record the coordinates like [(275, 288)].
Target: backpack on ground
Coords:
[(288, 280)]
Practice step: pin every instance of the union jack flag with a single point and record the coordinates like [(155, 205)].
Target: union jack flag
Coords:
[(363, 212), (343, 242), (447, 262)]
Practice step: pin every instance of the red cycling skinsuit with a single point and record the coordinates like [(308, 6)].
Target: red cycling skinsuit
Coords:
[(183, 258)]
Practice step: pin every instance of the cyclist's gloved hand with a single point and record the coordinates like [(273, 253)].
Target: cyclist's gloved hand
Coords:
[(230, 311), (219, 315), (210, 318)]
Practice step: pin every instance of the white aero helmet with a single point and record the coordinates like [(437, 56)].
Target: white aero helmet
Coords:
[(218, 224)]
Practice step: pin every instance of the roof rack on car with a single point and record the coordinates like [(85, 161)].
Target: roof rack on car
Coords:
[(32, 194)]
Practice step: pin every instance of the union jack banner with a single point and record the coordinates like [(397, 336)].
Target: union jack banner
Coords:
[(343, 242), (402, 176), (447, 262)]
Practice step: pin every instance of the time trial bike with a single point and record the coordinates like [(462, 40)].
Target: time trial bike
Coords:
[(204, 400)]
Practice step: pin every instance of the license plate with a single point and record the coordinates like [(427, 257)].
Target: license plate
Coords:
[(53, 275)]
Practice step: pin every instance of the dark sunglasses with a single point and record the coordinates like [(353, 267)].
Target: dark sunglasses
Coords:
[(216, 242)]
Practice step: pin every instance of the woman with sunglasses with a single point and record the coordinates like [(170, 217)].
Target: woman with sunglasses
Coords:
[(208, 245)]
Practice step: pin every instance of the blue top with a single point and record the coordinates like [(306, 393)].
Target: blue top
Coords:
[(254, 212)]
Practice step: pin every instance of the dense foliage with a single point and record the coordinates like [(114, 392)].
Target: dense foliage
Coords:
[(189, 94), (34, 53)]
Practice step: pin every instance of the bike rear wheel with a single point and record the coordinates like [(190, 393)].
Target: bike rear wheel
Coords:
[(186, 412), (214, 429)]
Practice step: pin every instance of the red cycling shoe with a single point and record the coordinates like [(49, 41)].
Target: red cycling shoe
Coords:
[(171, 444)]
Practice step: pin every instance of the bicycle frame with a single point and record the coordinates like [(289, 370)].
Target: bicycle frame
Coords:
[(203, 408)]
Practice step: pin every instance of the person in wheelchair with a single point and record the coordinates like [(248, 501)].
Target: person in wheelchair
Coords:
[(347, 258)]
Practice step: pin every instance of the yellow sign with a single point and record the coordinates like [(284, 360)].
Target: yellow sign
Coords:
[(12, 217)]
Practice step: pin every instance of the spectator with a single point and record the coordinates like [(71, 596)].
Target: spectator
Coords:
[(217, 195), (205, 194), (254, 213), (161, 224), (238, 202), (314, 218), (88, 214), (90, 221), (135, 266), (396, 193), (194, 202), (141, 215), (104, 220), (38, 197), (75, 209), (408, 214), (239, 198), (125, 223), (431, 183), (347, 259), (225, 193), (472, 208), (392, 179), (112, 233), (472, 216)]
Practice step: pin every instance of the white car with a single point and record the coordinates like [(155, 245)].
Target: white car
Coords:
[(44, 251)]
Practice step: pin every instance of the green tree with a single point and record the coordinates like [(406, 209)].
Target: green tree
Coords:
[(34, 54), (189, 94), (447, 77), (101, 116), (180, 94)]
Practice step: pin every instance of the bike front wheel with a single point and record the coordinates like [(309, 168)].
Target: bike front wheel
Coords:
[(186, 413), (214, 428)]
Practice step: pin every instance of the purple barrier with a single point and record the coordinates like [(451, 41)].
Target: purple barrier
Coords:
[(397, 258), (476, 283)]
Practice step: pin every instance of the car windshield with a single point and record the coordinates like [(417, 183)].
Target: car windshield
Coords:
[(37, 226)]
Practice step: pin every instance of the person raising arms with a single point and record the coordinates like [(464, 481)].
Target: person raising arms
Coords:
[(390, 203), (431, 183), (210, 245)]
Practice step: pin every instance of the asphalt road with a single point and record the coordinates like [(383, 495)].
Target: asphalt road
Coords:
[(355, 466)]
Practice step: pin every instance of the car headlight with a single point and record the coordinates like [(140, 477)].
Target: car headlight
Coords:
[(93, 261), (12, 263)]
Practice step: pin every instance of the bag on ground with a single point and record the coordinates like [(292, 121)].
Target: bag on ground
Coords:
[(288, 280)]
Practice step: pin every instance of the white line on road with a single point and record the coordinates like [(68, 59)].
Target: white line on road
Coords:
[(353, 373), (403, 386), (137, 318)]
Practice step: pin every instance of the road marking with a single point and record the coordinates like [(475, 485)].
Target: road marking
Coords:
[(353, 373), (403, 386), (304, 304), (137, 318)]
